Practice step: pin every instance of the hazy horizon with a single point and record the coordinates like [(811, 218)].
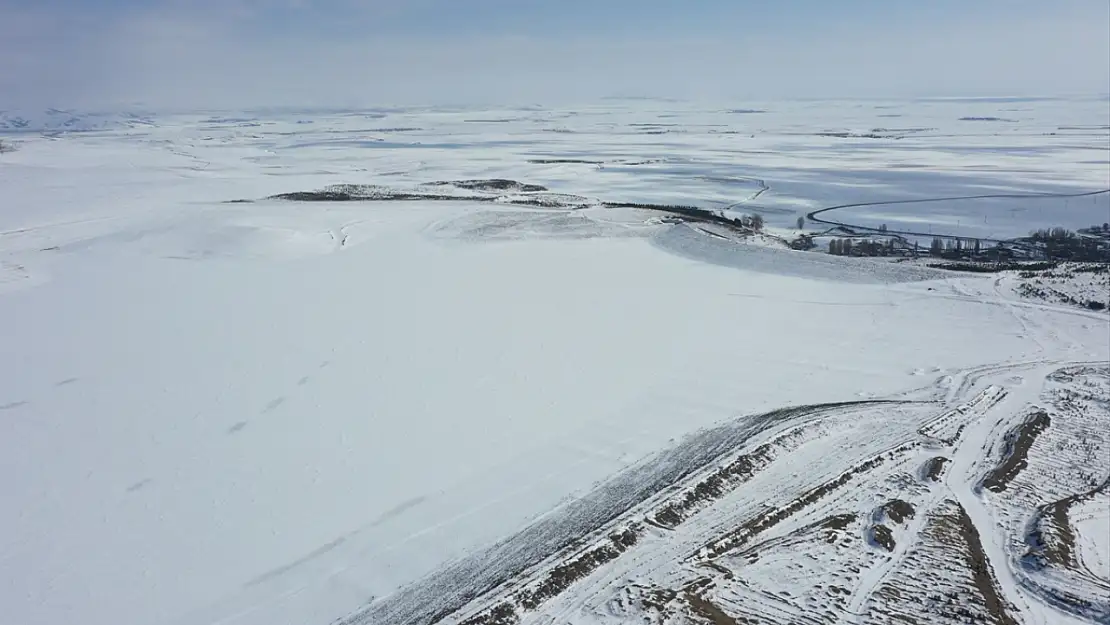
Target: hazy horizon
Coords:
[(350, 53)]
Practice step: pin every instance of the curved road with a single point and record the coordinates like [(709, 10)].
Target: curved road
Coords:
[(813, 217)]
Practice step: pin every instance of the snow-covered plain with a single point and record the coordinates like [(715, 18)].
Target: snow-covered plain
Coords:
[(285, 412)]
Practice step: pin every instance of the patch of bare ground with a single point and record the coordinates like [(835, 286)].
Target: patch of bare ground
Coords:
[(1018, 443), (772, 517), (934, 468)]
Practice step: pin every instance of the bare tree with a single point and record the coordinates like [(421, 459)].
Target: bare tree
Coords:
[(755, 222), (801, 222)]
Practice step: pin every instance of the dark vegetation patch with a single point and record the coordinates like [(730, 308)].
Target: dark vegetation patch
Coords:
[(902, 130), (707, 610), (325, 195), (882, 536), (856, 135), (492, 184), (988, 267), (1018, 443), (368, 193), (714, 486), (944, 578), (838, 522), (500, 614), (833, 526), (986, 119), (563, 161), (934, 468), (1098, 269), (447, 590), (658, 599), (1052, 538), (898, 511), (772, 517), (981, 571), (562, 576), (529, 195)]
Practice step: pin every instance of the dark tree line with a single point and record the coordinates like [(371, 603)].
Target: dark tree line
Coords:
[(1063, 244), (956, 248), (867, 247)]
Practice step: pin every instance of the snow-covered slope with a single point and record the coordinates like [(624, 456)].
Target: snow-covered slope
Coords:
[(276, 411)]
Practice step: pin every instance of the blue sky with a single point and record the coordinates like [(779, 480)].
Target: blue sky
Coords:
[(362, 52)]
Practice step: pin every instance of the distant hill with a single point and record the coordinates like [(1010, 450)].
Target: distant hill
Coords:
[(58, 120)]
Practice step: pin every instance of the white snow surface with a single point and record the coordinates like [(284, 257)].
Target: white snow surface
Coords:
[(274, 412)]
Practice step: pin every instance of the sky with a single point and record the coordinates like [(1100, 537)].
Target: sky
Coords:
[(340, 53)]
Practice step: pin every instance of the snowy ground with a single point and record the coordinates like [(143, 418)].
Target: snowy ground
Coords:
[(296, 412)]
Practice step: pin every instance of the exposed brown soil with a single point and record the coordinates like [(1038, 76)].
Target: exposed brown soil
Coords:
[(1018, 444)]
